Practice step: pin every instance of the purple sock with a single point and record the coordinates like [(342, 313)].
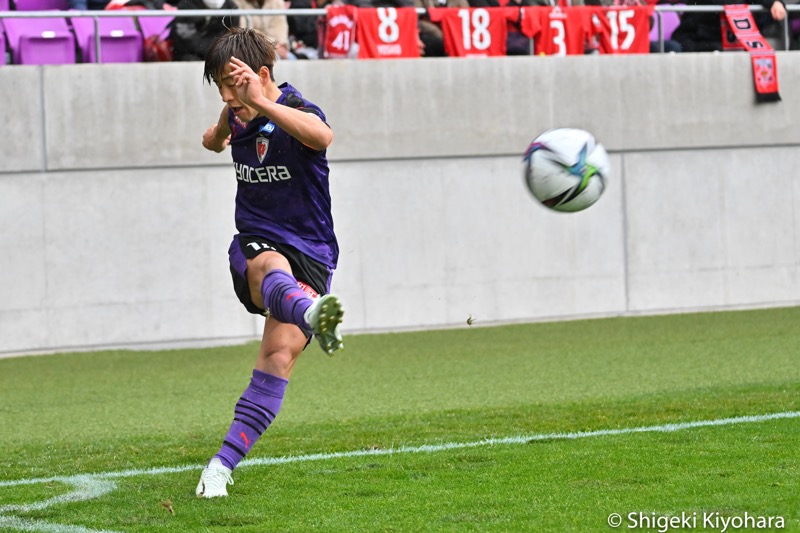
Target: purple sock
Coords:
[(254, 412), (284, 298)]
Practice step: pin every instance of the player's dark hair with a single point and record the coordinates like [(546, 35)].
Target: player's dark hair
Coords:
[(251, 46)]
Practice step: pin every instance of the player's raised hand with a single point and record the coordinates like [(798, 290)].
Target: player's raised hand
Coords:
[(247, 83), (213, 139)]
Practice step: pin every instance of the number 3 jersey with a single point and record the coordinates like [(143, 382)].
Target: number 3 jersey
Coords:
[(283, 189), (556, 31)]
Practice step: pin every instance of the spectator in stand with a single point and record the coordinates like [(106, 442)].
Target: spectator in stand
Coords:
[(88, 5), (303, 36), (430, 33), (276, 27), (193, 36), (701, 32)]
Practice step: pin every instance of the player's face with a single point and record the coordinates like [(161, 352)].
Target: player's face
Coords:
[(227, 89)]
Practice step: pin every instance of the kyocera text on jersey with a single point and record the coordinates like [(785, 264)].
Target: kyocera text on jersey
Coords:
[(266, 174)]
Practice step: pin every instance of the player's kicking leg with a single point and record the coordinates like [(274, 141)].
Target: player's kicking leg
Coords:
[(289, 304)]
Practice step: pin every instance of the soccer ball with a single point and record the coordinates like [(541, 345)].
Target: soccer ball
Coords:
[(566, 169)]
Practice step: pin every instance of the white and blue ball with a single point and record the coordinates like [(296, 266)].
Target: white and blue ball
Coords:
[(566, 169)]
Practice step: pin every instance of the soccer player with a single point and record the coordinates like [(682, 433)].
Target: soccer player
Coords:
[(283, 257)]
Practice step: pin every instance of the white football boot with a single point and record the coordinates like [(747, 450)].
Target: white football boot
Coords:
[(324, 317), (214, 480)]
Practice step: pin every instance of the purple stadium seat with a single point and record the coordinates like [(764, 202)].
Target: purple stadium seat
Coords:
[(41, 5), (46, 41), (670, 20), (120, 40), (153, 25)]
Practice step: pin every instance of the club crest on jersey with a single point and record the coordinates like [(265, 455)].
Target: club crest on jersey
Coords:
[(262, 145)]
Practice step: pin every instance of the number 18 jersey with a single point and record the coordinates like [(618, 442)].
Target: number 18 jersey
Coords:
[(473, 32)]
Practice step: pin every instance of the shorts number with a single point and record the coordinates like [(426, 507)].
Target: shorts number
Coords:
[(260, 246)]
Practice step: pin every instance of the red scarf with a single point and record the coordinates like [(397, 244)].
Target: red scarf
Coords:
[(739, 32)]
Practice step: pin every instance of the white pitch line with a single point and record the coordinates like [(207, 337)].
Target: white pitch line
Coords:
[(86, 488), (425, 448), (90, 486)]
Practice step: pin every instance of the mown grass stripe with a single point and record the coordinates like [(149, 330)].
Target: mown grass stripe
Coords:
[(25, 524), (425, 448)]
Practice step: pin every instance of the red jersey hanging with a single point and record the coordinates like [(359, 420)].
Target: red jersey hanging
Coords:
[(622, 29), (556, 31), (340, 31), (387, 32), (473, 32)]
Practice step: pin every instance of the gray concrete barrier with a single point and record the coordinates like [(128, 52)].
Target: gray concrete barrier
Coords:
[(116, 222)]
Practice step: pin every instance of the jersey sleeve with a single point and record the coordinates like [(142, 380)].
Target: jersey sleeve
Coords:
[(531, 21)]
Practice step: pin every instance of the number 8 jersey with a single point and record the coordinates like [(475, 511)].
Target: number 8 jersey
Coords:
[(387, 32)]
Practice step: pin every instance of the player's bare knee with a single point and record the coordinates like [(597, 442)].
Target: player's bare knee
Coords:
[(258, 267), (278, 361)]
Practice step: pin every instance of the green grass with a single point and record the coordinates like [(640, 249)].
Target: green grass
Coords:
[(69, 414)]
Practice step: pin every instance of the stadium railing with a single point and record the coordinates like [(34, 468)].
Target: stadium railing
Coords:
[(247, 13)]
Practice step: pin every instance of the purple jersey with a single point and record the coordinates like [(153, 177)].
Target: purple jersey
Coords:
[(283, 190)]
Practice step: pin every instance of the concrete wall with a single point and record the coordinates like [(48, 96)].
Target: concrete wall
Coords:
[(115, 222)]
